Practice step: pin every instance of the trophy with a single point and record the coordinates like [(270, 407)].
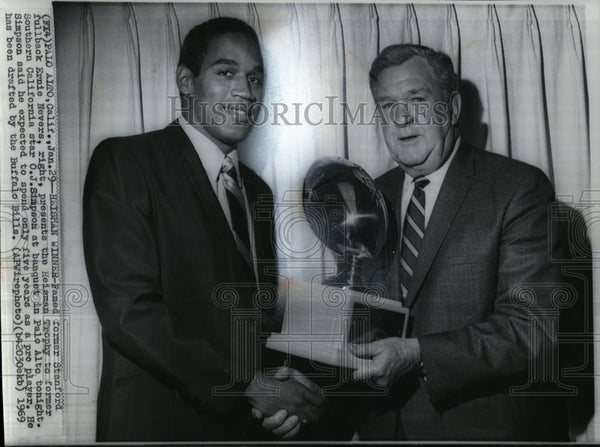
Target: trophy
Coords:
[(341, 195), (349, 215)]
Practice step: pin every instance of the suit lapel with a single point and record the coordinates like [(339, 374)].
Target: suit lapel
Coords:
[(256, 205), (455, 187), (260, 205), (199, 179), (390, 185)]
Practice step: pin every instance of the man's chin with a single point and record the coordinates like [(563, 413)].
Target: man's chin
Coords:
[(415, 168), (411, 163), (232, 132), (233, 143)]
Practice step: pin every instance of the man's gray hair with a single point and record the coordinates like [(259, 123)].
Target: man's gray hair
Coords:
[(439, 63)]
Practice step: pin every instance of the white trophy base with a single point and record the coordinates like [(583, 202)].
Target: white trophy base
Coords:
[(320, 319)]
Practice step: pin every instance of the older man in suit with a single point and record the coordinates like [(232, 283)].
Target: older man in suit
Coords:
[(472, 264), (178, 239)]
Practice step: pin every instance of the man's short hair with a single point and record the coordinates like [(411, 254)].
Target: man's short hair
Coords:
[(195, 44), (439, 63)]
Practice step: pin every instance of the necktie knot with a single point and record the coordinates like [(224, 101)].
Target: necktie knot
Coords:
[(229, 169), (421, 182)]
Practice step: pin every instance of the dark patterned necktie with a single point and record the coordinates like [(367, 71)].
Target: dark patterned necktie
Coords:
[(237, 209), (413, 231)]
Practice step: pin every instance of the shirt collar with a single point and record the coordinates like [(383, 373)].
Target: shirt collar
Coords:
[(210, 155)]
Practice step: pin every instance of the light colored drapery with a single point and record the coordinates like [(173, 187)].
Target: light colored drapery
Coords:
[(523, 75)]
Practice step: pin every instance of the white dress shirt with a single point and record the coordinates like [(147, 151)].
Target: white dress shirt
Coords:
[(212, 159), (432, 190)]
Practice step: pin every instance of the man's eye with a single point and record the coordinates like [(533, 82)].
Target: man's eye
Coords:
[(417, 99), (225, 73), (255, 80), (387, 105)]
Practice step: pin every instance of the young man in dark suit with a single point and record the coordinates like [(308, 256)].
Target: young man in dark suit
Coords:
[(181, 261), (472, 264)]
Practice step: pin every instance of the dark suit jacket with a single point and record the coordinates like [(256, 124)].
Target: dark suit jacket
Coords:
[(167, 282), (481, 297)]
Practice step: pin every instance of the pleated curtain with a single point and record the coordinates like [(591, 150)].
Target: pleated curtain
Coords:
[(523, 79)]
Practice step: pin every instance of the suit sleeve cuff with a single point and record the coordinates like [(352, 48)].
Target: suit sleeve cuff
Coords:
[(440, 376)]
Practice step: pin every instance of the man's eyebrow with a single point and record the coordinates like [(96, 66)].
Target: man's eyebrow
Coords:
[(385, 98), (225, 61), (412, 91)]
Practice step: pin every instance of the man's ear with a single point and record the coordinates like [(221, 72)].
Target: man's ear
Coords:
[(456, 104), (184, 78)]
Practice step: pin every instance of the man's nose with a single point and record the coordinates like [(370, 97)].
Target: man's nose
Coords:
[(403, 115), (405, 120), (242, 88)]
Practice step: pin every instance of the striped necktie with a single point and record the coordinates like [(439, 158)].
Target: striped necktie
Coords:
[(237, 209), (413, 231)]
